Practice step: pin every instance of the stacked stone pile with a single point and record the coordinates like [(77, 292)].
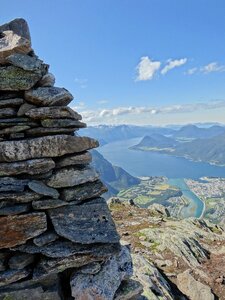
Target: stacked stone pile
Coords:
[(57, 237)]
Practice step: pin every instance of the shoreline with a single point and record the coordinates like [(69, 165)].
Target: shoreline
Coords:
[(178, 156)]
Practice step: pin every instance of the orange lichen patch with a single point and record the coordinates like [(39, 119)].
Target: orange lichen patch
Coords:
[(16, 230)]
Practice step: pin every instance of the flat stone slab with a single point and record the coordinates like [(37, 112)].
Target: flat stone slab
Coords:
[(16, 79), (16, 230), (14, 129), (17, 122), (68, 177), (48, 96), (44, 204), (82, 192), (10, 184), (47, 80), (10, 276), (48, 266), (64, 248), (41, 131), (87, 224), (7, 112), (73, 160), (11, 102), (40, 188), (53, 112), (28, 63), (47, 146), (18, 197), (31, 167), (14, 210), (62, 123)]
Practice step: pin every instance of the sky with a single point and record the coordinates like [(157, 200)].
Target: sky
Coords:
[(144, 62)]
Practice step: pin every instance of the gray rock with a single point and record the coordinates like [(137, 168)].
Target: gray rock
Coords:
[(19, 26), (28, 63), (68, 177), (7, 112), (25, 107), (48, 146), (41, 131), (105, 283), (14, 210), (14, 129), (9, 184), (73, 160), (49, 96), (11, 102), (61, 248), (158, 209), (40, 188), (92, 268), (192, 288), (24, 197), (82, 192), (16, 230), (20, 261), (45, 238), (48, 266), (16, 79), (10, 43), (47, 80), (37, 292), (87, 224), (62, 123), (53, 112), (129, 289), (33, 166), (17, 121), (10, 276), (44, 204)]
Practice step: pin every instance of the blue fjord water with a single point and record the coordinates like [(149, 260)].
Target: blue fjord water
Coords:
[(140, 163)]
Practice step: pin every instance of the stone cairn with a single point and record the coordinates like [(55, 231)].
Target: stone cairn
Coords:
[(57, 237)]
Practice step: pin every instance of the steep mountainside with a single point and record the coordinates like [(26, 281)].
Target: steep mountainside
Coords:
[(173, 259), (114, 177), (192, 131), (208, 150), (156, 141)]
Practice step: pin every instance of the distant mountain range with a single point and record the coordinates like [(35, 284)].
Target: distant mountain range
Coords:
[(115, 178), (209, 149), (107, 134)]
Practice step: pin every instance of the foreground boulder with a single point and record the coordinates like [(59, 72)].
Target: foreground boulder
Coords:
[(57, 237)]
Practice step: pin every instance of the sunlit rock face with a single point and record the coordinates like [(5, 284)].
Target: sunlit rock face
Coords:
[(56, 231)]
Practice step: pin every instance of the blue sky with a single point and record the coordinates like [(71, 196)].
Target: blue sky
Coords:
[(132, 61)]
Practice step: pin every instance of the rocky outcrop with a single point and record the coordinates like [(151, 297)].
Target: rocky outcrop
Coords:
[(57, 237), (173, 258)]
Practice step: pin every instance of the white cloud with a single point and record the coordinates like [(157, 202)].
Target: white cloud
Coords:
[(191, 71), (212, 67), (173, 64), (147, 68), (110, 115)]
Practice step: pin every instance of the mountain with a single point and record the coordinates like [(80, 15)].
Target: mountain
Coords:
[(194, 132), (208, 150), (156, 141), (173, 259), (114, 177), (110, 133)]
